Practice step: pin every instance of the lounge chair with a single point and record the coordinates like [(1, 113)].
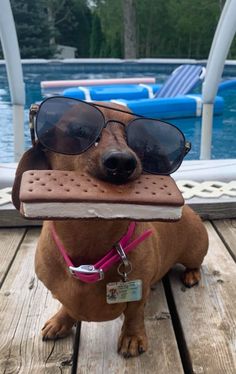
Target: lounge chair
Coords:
[(181, 81), (176, 99)]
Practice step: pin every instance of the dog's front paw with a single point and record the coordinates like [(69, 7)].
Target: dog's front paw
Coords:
[(59, 326), (132, 345)]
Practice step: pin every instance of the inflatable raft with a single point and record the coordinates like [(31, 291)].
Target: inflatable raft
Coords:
[(171, 107), (141, 100), (138, 95)]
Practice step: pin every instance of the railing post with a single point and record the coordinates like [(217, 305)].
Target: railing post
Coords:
[(14, 72), (223, 37), (206, 138)]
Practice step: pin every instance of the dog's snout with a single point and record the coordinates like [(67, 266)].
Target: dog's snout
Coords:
[(119, 164)]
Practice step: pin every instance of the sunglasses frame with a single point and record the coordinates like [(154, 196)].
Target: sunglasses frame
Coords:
[(34, 110)]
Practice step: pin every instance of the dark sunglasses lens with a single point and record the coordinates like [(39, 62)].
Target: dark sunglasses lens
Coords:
[(67, 125), (159, 145)]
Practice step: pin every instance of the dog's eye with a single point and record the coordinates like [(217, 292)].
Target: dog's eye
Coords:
[(76, 130)]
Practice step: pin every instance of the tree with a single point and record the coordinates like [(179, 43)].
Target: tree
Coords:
[(72, 24), (32, 29), (96, 37), (120, 28), (154, 29), (129, 25), (110, 14), (195, 24), (43, 24)]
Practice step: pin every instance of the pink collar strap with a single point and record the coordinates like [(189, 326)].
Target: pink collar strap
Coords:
[(94, 273)]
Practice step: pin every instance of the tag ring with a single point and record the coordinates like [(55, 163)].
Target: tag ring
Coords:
[(127, 268)]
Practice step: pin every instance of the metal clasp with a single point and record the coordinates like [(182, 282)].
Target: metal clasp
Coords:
[(122, 254), (87, 269)]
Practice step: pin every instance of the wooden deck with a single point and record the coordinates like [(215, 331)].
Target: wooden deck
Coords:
[(190, 330)]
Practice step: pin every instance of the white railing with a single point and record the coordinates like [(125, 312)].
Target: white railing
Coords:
[(15, 75), (220, 47)]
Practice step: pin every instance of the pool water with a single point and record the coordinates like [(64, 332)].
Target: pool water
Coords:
[(224, 127)]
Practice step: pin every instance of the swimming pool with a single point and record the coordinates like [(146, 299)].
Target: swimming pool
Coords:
[(224, 128)]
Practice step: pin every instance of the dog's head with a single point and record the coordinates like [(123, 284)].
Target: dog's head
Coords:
[(109, 159)]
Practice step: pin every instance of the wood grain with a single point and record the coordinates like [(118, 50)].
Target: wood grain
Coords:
[(25, 305), (213, 208), (9, 242), (207, 312), (98, 349), (227, 231), (10, 217)]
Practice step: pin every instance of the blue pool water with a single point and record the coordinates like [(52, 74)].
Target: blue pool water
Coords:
[(224, 129)]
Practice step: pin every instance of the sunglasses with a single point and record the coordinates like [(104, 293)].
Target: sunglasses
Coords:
[(71, 126)]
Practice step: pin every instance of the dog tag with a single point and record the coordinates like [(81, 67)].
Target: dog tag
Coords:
[(123, 292)]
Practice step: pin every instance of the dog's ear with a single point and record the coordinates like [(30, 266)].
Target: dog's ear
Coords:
[(33, 159)]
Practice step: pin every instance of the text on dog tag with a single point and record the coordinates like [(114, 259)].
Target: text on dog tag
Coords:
[(120, 292)]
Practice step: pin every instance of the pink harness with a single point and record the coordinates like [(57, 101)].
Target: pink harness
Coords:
[(94, 273)]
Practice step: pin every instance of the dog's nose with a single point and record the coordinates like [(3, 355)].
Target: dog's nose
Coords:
[(119, 165)]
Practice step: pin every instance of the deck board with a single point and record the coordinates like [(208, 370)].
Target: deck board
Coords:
[(10, 240), (25, 305), (10, 217), (213, 208), (207, 313), (98, 348), (227, 231)]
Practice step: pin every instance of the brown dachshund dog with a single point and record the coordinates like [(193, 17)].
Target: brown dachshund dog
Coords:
[(87, 241)]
